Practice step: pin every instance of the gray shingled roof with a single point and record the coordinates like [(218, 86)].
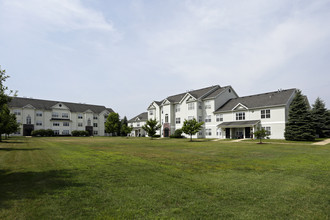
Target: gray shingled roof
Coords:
[(216, 92), (196, 93), (143, 117), (18, 102), (261, 100)]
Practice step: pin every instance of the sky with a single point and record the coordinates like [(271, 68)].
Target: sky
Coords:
[(126, 54)]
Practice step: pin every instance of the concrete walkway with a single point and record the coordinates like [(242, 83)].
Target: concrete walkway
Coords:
[(326, 141)]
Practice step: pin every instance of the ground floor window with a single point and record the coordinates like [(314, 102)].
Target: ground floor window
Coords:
[(95, 132), (65, 132), (208, 132), (56, 132), (268, 130)]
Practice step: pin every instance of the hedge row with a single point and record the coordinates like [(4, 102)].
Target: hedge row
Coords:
[(80, 133), (43, 133)]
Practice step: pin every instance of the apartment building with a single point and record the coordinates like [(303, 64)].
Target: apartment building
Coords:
[(61, 117), (136, 123)]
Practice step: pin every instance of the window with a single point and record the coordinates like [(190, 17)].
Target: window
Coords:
[(56, 132), (207, 104), (95, 125), (177, 108), (190, 118), (66, 124), (177, 120), (55, 115), (65, 132), (166, 118), (191, 106), (200, 133), (219, 117), (95, 132), (268, 130), (151, 112), (105, 117), (95, 117), (200, 119), (208, 118), (240, 116), (208, 132), (18, 121), (56, 124), (80, 116), (17, 112), (138, 124), (39, 123), (39, 114), (218, 132), (28, 120), (65, 115), (265, 113), (89, 122), (80, 124)]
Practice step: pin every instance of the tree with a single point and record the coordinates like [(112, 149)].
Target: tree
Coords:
[(112, 125), (261, 134), (320, 117), (300, 124), (151, 127), (124, 127), (191, 127)]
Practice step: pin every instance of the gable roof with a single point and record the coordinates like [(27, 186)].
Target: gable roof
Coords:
[(143, 117), (18, 102), (199, 93), (276, 98)]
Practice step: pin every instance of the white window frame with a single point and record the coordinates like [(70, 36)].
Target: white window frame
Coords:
[(208, 132), (55, 115), (80, 116), (80, 124), (177, 107), (17, 112), (208, 118), (65, 115), (177, 120), (39, 114), (66, 124), (95, 117), (219, 117), (240, 116), (95, 125), (151, 112), (38, 123), (56, 124), (268, 130), (207, 104), (191, 106), (190, 118), (265, 113), (65, 132)]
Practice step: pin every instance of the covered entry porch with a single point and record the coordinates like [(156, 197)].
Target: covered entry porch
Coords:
[(238, 129)]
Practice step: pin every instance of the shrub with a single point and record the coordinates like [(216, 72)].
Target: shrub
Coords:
[(80, 133), (156, 136), (43, 133), (177, 134)]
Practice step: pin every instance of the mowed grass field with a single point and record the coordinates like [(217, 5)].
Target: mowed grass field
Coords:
[(139, 178)]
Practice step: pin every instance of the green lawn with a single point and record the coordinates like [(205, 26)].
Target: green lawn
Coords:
[(139, 178)]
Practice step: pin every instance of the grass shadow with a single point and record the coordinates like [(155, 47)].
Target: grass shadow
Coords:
[(19, 149), (30, 185)]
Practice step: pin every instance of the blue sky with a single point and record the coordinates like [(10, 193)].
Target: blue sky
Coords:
[(125, 54)]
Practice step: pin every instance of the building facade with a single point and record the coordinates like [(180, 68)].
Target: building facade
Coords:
[(225, 114), (136, 123), (61, 117)]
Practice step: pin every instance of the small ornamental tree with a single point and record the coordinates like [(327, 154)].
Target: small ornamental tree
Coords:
[(112, 125), (151, 127), (300, 124), (261, 134), (191, 127), (319, 115)]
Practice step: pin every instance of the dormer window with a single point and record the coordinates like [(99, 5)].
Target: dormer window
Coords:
[(240, 116)]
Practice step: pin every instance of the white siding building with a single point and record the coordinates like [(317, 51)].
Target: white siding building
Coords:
[(225, 114), (61, 117), (136, 123)]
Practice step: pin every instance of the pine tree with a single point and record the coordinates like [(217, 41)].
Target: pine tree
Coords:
[(124, 127), (300, 124), (319, 114)]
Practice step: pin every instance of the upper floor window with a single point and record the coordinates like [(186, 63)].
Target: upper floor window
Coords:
[(177, 120), (240, 116), (207, 104), (95, 117), (265, 113), (39, 114), (80, 124), (28, 120), (17, 112), (208, 118), (191, 106), (219, 117), (56, 124), (95, 125), (65, 115), (190, 118), (177, 108), (151, 112), (39, 123), (166, 118), (80, 116), (138, 124), (55, 114), (66, 123), (89, 122)]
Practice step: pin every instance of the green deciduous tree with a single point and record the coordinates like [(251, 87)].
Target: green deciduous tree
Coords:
[(151, 127), (300, 124), (125, 129), (320, 118), (261, 134), (112, 125), (191, 127)]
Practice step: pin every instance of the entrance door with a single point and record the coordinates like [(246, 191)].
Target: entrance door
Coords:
[(247, 132), (166, 132), (228, 133)]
